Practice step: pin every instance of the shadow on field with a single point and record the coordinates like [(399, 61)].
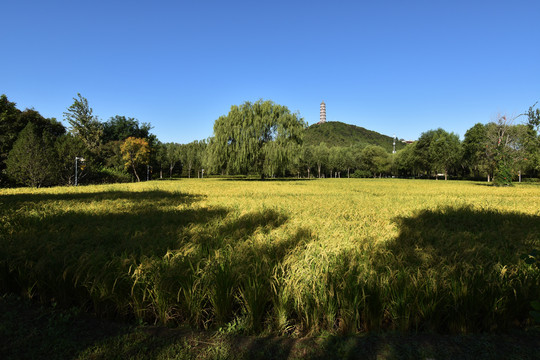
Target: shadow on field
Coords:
[(16, 200), (267, 179), (153, 255), (465, 237), (459, 270), (52, 248)]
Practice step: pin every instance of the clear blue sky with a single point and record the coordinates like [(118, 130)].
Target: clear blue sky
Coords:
[(400, 67)]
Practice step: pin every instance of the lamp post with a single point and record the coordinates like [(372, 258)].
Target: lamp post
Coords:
[(77, 158)]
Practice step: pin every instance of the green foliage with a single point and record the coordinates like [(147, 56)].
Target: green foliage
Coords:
[(503, 173), (172, 155), (533, 259), (375, 160), (108, 175), (437, 150), (359, 174), (406, 162), (475, 156), (261, 137), (338, 134), (84, 124), (119, 128), (444, 151), (13, 121), (31, 160), (67, 147), (192, 155)]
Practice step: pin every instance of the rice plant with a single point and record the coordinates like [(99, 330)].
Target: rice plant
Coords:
[(292, 257)]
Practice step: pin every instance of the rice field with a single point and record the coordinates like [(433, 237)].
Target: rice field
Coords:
[(290, 257)]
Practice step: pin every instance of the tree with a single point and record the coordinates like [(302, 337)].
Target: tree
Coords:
[(135, 152), (67, 147), (348, 160), (474, 149), (306, 160), (119, 128), (376, 160), (506, 148), (406, 161), (437, 150), (444, 151), (31, 160), (84, 124), (13, 121), (261, 137), (173, 154), (161, 157), (532, 142), (321, 154)]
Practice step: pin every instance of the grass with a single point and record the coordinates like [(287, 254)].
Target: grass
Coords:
[(31, 331), (336, 256)]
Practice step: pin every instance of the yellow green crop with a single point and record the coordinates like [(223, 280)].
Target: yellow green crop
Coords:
[(340, 255)]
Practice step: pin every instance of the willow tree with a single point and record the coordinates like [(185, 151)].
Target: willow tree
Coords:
[(261, 137)]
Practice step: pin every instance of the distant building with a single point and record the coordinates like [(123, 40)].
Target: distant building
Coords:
[(323, 113)]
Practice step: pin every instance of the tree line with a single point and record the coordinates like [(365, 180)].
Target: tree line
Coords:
[(260, 138), (37, 151)]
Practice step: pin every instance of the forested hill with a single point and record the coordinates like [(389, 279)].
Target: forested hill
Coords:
[(335, 133)]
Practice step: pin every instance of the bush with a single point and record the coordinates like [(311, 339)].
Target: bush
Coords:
[(108, 175), (361, 174)]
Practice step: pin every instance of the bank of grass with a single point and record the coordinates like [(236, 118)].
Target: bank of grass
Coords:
[(333, 256)]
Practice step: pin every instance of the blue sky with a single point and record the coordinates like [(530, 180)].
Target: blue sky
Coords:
[(400, 67)]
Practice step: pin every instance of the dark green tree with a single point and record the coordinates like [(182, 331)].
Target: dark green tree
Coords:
[(13, 121), (376, 160), (474, 150), (261, 137), (31, 160), (406, 161), (119, 128), (532, 142), (444, 151), (67, 147)]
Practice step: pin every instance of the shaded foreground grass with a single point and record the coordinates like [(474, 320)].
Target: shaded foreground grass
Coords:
[(304, 257), (29, 331)]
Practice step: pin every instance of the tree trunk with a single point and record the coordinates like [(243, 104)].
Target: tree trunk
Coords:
[(348, 173), (135, 171), (445, 175)]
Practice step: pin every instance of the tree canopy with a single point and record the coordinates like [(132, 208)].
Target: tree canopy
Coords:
[(83, 123), (261, 137)]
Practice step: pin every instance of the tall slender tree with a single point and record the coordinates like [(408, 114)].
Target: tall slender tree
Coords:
[(83, 123)]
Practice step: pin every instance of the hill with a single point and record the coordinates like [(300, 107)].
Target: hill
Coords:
[(335, 133)]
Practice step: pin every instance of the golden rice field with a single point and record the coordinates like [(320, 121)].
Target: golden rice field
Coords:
[(291, 257)]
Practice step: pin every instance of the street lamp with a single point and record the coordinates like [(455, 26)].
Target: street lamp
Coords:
[(77, 158)]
